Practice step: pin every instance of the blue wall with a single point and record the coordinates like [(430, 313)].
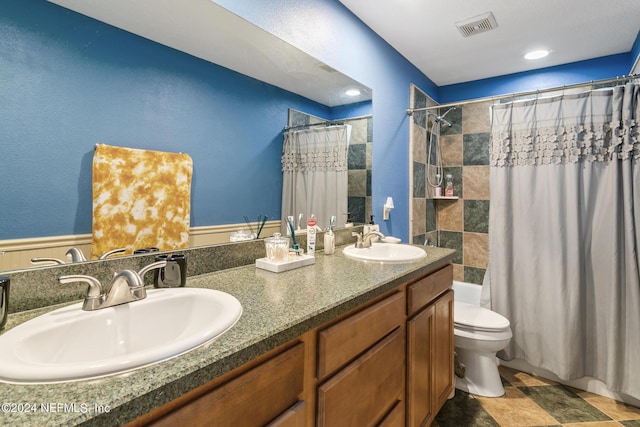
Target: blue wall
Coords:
[(331, 33), (635, 51), (551, 77), (68, 82)]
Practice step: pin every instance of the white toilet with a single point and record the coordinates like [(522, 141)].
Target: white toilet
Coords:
[(479, 334)]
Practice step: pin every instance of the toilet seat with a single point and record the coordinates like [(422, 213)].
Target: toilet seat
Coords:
[(474, 318)]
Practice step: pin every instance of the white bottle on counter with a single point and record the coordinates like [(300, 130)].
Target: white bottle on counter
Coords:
[(330, 239), (311, 235)]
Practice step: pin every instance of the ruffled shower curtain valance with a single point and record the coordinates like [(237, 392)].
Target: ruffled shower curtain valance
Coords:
[(315, 172), (593, 126), (564, 233)]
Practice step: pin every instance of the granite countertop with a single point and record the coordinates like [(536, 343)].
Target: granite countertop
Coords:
[(277, 307)]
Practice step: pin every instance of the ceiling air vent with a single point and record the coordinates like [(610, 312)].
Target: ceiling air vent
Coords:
[(477, 24)]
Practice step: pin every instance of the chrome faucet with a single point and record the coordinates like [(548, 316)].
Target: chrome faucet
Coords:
[(367, 240), (127, 286), (76, 255)]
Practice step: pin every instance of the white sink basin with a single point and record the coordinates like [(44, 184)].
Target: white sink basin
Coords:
[(386, 253), (69, 344)]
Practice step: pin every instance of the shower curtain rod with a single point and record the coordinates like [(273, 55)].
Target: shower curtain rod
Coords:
[(327, 123), (629, 77)]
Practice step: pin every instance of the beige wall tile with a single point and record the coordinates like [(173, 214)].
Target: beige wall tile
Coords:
[(475, 117), (475, 182), (450, 215), (476, 249), (418, 221), (451, 148), (458, 272), (358, 131), (419, 148), (357, 182)]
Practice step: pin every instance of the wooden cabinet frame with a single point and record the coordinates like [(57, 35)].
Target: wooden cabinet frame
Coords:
[(403, 338)]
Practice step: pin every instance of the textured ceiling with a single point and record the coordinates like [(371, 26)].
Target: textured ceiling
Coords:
[(425, 32), (208, 31)]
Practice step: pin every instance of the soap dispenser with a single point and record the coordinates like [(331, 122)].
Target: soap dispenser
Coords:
[(330, 239), (368, 228), (348, 223)]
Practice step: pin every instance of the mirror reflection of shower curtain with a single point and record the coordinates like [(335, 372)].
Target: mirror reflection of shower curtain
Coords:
[(315, 173), (564, 233)]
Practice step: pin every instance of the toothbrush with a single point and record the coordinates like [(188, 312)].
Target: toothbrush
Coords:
[(293, 234), (246, 219), (261, 224)]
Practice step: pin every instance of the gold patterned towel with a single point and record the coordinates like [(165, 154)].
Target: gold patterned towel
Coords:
[(141, 199)]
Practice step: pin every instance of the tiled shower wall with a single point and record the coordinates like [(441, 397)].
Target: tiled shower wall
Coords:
[(461, 224), (360, 163)]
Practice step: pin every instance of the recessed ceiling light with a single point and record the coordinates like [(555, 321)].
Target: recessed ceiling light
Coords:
[(352, 92), (536, 54)]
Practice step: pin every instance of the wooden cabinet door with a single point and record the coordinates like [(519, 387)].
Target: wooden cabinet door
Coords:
[(443, 382), (420, 341), (366, 389)]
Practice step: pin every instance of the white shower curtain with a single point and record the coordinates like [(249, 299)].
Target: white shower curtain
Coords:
[(315, 172), (564, 231)]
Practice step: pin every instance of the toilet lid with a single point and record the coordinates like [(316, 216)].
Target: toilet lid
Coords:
[(469, 316)]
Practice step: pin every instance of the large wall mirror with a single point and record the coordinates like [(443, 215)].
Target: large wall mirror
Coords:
[(207, 31)]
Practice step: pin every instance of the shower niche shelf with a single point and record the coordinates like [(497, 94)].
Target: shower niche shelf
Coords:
[(446, 198)]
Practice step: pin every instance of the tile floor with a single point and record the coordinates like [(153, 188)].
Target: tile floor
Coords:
[(535, 401)]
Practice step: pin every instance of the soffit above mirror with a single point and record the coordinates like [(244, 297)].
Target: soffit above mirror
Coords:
[(208, 31)]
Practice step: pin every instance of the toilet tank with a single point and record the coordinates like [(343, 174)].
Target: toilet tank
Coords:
[(467, 292)]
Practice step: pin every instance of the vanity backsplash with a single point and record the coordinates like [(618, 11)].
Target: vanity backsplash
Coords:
[(39, 287)]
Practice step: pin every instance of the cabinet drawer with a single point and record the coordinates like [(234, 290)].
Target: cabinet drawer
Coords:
[(363, 392), (425, 290), (345, 340), (251, 399)]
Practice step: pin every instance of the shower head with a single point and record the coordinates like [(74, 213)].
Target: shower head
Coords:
[(440, 119), (443, 121)]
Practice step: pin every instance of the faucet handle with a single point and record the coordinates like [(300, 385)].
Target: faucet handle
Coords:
[(95, 297), (112, 252), (358, 236), (51, 260), (152, 266), (95, 287)]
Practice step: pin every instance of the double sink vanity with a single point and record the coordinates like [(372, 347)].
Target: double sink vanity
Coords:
[(341, 342)]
